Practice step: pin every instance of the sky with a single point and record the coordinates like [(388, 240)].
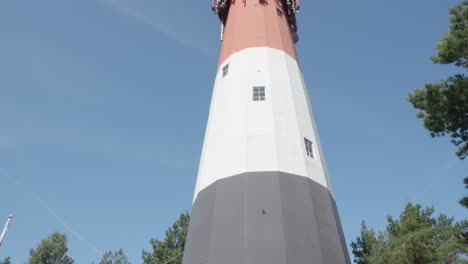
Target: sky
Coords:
[(104, 103)]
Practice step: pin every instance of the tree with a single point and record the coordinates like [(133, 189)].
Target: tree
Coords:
[(464, 200), (170, 249), (117, 257), (417, 237), (444, 106), (6, 261), (364, 244), (52, 250)]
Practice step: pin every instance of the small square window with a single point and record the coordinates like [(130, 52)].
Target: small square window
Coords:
[(279, 12), (309, 148), (225, 70), (259, 93)]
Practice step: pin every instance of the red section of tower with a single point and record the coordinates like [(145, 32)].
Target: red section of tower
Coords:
[(257, 23)]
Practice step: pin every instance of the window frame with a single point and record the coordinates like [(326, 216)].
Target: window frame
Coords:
[(225, 70), (309, 147), (258, 93)]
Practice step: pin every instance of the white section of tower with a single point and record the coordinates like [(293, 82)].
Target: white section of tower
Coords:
[(5, 229), (243, 135)]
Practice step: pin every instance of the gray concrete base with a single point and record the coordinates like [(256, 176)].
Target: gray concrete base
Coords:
[(265, 218)]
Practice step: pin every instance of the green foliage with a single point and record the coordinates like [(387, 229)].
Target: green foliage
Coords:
[(445, 110), (444, 105), (364, 244), (417, 237), (453, 47), (52, 250), (6, 261), (117, 257), (170, 249), (464, 200)]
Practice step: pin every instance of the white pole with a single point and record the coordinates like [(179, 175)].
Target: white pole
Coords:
[(2, 236)]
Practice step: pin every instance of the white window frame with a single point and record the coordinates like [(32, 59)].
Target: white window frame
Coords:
[(258, 93)]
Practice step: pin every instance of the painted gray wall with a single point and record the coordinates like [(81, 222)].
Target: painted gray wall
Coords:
[(265, 218)]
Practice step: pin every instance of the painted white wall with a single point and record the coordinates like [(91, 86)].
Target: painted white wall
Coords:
[(243, 135)]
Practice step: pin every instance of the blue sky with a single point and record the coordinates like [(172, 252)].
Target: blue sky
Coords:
[(103, 106)]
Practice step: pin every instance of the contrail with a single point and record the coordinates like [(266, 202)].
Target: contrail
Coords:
[(51, 211)]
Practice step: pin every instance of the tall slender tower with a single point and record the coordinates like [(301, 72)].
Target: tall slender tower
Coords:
[(262, 194)]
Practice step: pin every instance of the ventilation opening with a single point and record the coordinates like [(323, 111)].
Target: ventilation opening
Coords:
[(279, 12)]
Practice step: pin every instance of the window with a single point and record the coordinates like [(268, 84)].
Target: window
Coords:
[(309, 148), (259, 93), (225, 70), (279, 12)]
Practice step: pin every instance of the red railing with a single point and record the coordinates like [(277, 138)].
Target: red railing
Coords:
[(221, 7), (291, 7)]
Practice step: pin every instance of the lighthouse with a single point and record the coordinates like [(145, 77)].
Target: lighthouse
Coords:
[(262, 194)]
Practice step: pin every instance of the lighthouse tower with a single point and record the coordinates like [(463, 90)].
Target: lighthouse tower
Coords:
[(262, 194)]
